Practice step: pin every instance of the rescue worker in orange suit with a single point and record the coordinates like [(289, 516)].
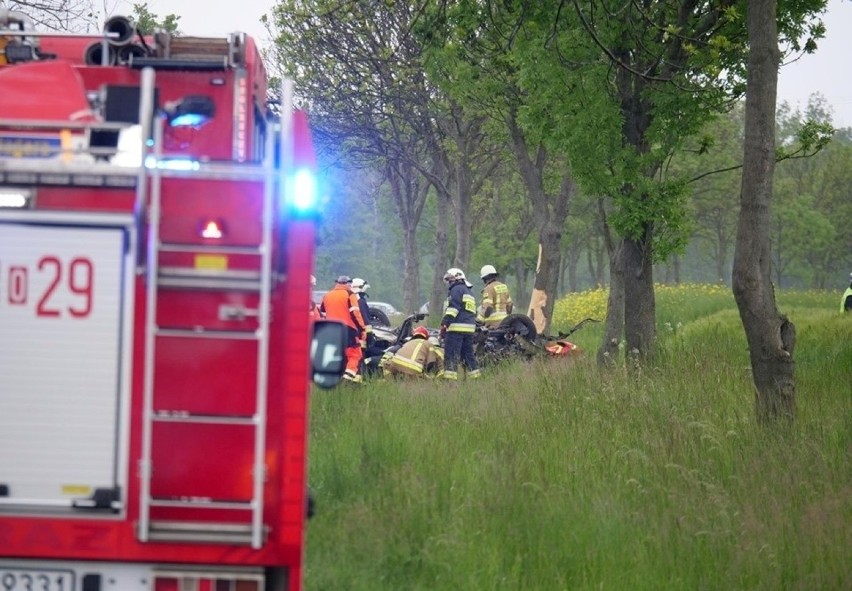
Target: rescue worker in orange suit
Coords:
[(341, 304), (417, 357), (458, 326), (496, 301), (315, 308)]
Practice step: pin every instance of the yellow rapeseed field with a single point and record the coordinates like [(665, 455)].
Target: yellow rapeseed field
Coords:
[(679, 303)]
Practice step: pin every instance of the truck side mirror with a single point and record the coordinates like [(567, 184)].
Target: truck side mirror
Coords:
[(328, 361)]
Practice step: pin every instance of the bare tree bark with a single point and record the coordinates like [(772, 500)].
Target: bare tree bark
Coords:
[(771, 336)]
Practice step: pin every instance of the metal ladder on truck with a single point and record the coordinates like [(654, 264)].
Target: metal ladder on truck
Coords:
[(156, 417)]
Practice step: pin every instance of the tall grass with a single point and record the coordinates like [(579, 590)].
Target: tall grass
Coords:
[(557, 475)]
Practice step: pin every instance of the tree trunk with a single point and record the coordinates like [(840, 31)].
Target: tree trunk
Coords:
[(411, 262), (771, 337), (590, 263), (464, 220), (549, 213), (442, 256), (600, 266), (546, 277), (614, 326), (573, 261), (465, 179), (640, 308), (409, 192)]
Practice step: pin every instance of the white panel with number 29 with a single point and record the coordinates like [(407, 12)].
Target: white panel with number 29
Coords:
[(61, 291)]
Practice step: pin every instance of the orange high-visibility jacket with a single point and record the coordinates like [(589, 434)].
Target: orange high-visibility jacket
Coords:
[(342, 305)]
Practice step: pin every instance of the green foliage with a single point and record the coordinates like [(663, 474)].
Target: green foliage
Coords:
[(540, 59), (355, 238), (554, 475), (147, 22), (712, 162), (813, 195)]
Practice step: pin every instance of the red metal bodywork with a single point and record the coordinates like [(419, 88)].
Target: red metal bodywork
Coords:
[(201, 376)]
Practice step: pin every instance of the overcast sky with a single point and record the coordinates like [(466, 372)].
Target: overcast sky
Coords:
[(827, 71)]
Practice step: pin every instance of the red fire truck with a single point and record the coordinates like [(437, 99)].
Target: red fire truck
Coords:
[(157, 231)]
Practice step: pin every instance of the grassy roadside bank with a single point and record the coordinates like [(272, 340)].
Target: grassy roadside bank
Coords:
[(555, 475)]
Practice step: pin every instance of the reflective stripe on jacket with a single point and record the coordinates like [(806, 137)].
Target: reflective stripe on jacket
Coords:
[(460, 311), (496, 302), (415, 356)]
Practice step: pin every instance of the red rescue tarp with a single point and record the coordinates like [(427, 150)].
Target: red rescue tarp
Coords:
[(50, 90)]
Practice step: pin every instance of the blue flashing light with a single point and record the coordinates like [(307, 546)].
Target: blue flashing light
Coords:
[(189, 120), (304, 191), (171, 163)]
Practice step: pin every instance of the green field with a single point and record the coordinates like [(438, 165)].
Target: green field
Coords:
[(557, 475)]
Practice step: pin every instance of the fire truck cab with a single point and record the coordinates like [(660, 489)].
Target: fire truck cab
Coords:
[(157, 232)]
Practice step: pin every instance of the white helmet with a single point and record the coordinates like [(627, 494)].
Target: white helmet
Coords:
[(359, 285), (454, 274), (487, 270)]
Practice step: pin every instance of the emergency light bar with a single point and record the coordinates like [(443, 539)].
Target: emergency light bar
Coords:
[(13, 198), (191, 111), (303, 193)]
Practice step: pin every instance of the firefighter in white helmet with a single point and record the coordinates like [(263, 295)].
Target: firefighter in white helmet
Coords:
[(458, 326), (496, 301), (359, 288)]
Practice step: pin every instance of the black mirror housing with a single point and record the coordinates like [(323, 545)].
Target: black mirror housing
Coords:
[(328, 361)]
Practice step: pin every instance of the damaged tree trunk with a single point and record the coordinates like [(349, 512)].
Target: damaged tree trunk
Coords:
[(549, 214)]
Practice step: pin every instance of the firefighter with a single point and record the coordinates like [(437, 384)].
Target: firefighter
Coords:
[(846, 300), (419, 356), (315, 308), (341, 304), (496, 301), (458, 326), (359, 288)]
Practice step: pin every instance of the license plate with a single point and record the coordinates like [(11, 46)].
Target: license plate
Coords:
[(15, 579)]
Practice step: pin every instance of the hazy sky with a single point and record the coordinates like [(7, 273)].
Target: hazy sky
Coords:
[(824, 72)]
